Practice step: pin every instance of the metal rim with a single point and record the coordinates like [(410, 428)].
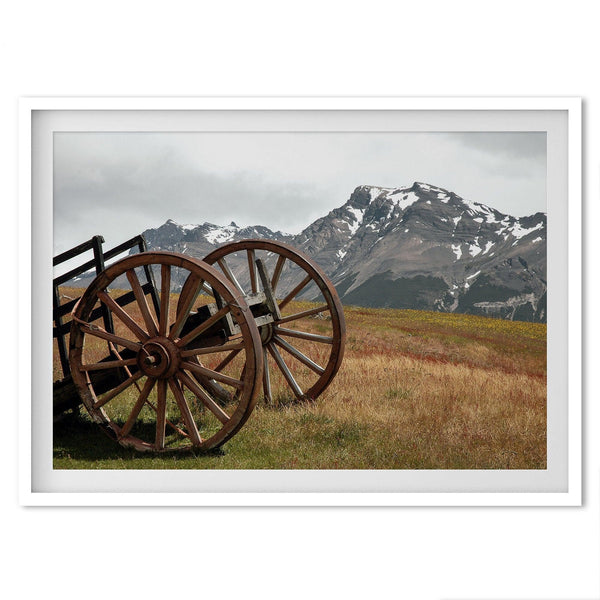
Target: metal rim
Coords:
[(281, 341), (199, 391)]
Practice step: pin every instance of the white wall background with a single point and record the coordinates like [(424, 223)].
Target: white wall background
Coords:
[(458, 48)]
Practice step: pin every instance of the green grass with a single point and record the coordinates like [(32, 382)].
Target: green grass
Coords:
[(313, 441)]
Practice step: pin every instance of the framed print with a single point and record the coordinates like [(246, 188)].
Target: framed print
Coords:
[(301, 301)]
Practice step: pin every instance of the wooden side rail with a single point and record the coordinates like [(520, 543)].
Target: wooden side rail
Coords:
[(97, 263)]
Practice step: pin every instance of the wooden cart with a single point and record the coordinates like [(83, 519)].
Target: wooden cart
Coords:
[(168, 353)]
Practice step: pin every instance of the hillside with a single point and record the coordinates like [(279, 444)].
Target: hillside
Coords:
[(416, 390)]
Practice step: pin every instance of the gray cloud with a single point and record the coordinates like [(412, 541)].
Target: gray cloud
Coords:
[(526, 145), (118, 184), (511, 154)]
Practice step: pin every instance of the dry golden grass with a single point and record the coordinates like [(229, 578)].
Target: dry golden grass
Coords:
[(416, 390), (442, 415), (453, 391)]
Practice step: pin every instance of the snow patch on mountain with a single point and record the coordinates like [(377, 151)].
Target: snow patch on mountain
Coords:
[(474, 249), (519, 231), (219, 235), (358, 214), (488, 246), (375, 192), (480, 210)]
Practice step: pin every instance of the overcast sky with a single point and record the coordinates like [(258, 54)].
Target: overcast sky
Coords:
[(119, 184)]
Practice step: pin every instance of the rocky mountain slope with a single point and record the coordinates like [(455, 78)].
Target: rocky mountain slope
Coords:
[(414, 247), (425, 247), (199, 240)]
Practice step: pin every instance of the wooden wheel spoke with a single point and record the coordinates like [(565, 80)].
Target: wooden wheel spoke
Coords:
[(303, 335), (96, 331), (169, 423), (285, 371), (227, 359), (185, 411), (229, 274), (295, 291), (140, 297), (268, 290), (210, 374), (112, 305), (178, 430), (161, 414), (277, 272), (192, 335), (165, 293), (212, 350), (203, 397), (208, 289), (108, 364), (137, 407), (192, 288), (304, 313), (214, 389), (299, 355), (267, 378), (115, 351), (252, 269), (117, 390)]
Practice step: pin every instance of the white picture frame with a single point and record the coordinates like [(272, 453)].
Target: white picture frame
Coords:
[(559, 485)]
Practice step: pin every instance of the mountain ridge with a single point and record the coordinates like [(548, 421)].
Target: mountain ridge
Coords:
[(419, 246)]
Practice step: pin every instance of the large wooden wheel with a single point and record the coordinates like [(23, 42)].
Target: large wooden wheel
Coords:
[(297, 309), (182, 365)]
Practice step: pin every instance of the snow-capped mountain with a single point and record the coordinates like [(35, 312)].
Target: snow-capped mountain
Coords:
[(199, 240), (425, 247), (411, 247)]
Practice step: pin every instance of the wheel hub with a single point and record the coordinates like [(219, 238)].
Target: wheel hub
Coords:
[(266, 333), (159, 358)]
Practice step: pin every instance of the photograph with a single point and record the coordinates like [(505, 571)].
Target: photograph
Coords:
[(317, 300)]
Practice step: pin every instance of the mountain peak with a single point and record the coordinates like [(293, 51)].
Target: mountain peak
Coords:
[(361, 197), (362, 192), (170, 223), (427, 187)]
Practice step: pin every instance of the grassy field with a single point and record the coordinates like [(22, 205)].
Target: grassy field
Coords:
[(416, 390)]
